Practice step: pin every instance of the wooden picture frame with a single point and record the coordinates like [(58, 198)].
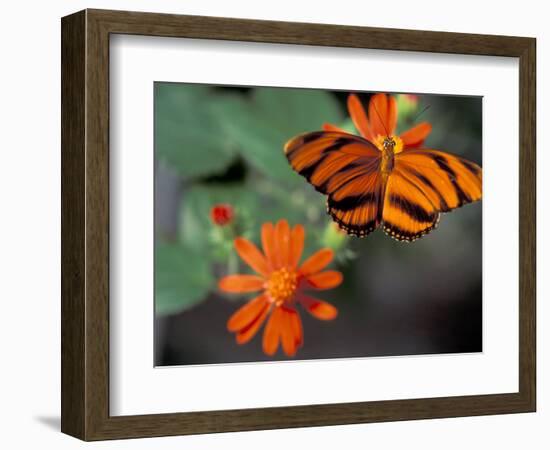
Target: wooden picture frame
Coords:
[(85, 224)]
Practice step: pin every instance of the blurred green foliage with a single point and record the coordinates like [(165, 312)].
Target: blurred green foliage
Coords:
[(182, 278), (269, 119), (188, 136)]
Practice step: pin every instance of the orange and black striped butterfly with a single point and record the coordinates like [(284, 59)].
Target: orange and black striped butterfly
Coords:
[(380, 180)]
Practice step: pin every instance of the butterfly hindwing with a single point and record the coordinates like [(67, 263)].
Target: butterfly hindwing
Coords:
[(408, 213), (357, 205)]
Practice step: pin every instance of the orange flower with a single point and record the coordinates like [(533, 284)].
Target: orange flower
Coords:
[(282, 282), (381, 122)]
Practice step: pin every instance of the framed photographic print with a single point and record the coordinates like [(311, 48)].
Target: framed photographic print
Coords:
[(270, 224)]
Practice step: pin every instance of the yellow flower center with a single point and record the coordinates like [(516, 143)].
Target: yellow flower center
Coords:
[(389, 143), (282, 285)]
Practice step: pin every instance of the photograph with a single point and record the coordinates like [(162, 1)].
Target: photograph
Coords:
[(300, 224)]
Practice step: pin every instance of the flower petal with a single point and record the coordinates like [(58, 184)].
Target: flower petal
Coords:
[(241, 283), (268, 243), (359, 116), (288, 338), (244, 335), (325, 280), (246, 314), (331, 127), (297, 236), (282, 242), (318, 308), (272, 332), (392, 114), (296, 324), (251, 255), (316, 262), (415, 136), (382, 115)]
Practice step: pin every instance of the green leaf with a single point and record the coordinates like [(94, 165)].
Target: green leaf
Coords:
[(294, 111), (182, 278), (271, 118), (188, 135), (261, 146)]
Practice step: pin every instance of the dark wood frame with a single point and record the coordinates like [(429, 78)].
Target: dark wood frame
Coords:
[(85, 224)]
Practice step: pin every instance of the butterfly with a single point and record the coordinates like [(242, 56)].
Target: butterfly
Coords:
[(380, 180)]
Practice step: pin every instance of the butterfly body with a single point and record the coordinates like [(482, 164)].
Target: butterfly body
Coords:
[(382, 183), (387, 161)]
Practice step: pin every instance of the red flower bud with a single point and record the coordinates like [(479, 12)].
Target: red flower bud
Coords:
[(221, 214)]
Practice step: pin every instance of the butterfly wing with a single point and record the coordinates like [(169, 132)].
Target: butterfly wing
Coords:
[(357, 206), (422, 184), (408, 213), (345, 167), (447, 180)]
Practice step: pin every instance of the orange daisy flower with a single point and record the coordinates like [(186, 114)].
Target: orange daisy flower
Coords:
[(381, 122), (282, 283)]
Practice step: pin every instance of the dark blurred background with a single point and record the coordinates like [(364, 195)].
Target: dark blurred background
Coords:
[(224, 145)]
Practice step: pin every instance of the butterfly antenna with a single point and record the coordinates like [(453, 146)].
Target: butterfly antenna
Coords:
[(380, 118), (420, 113)]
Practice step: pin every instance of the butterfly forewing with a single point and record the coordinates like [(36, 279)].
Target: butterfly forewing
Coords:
[(449, 181), (319, 155)]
